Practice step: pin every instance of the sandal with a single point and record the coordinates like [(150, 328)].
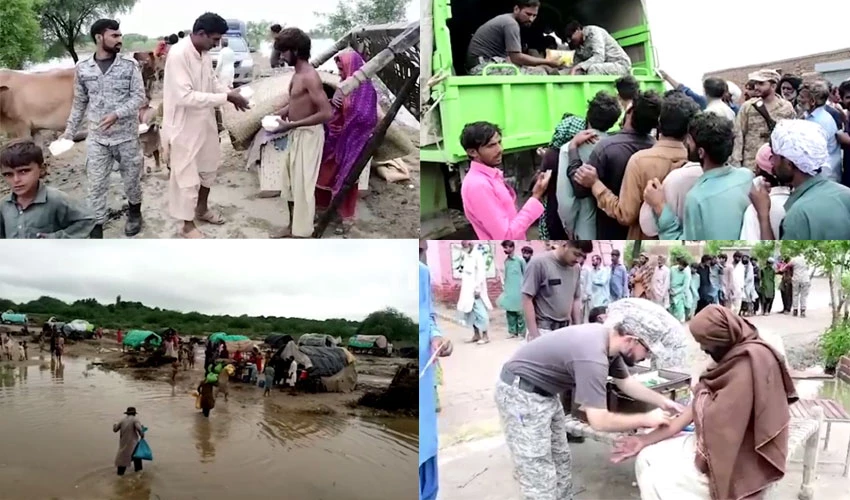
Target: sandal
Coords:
[(211, 217)]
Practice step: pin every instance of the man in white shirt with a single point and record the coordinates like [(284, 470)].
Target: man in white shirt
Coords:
[(736, 286), (226, 71), (801, 281), (661, 283), (715, 89), (779, 194)]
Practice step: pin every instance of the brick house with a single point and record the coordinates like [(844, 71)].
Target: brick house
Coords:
[(798, 66), (442, 257)]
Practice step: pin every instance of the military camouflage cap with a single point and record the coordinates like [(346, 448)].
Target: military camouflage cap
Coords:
[(764, 75)]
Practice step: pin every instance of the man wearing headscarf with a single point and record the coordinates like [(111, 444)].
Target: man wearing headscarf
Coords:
[(768, 286), (789, 88), (577, 359), (731, 454), (818, 208), (751, 128)]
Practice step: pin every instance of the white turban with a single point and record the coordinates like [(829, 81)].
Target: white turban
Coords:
[(803, 143)]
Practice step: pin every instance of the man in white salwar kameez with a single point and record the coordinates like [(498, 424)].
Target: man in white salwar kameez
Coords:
[(191, 92), (473, 303), (661, 283)]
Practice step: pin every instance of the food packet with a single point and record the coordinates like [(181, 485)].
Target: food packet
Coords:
[(60, 146), (270, 122), (565, 57)]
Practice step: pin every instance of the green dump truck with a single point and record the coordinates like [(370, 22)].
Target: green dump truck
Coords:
[(526, 107)]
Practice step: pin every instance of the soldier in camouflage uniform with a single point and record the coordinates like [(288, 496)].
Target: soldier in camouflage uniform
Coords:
[(576, 359), (110, 88), (596, 52), (751, 128)]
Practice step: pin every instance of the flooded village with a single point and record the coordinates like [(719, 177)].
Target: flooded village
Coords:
[(338, 420)]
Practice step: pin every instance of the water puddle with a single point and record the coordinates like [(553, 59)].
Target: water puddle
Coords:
[(825, 389), (56, 433)]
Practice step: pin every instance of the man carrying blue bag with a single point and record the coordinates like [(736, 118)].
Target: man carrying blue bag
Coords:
[(132, 434)]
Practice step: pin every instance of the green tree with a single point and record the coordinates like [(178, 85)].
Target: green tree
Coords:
[(712, 247), (129, 315), (346, 16), (390, 323), (20, 33), (258, 32), (676, 252), (66, 23), (830, 256), (763, 249)]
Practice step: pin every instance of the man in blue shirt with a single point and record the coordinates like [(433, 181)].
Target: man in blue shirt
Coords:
[(715, 205), (619, 277), (813, 99), (430, 340)]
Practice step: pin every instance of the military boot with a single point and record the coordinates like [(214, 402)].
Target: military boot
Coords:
[(133, 226), (97, 232)]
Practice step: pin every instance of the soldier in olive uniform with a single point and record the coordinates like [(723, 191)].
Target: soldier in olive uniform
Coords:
[(752, 130), (111, 89)]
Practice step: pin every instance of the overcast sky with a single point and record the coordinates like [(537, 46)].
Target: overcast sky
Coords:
[(161, 17), (693, 38), (308, 279)]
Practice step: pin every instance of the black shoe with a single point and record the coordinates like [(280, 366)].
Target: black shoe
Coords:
[(133, 226), (802, 313), (97, 232), (794, 313), (572, 438)]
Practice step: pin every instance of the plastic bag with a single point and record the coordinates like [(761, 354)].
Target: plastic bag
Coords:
[(143, 450), (270, 123), (212, 378), (565, 57), (198, 402)]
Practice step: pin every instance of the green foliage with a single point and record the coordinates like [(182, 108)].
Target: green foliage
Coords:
[(346, 16), (258, 32), (66, 23), (763, 249), (828, 255), (135, 315), (19, 32), (680, 251), (835, 342), (712, 247), (390, 323)]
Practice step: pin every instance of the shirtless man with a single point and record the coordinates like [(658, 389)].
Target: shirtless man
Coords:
[(303, 118)]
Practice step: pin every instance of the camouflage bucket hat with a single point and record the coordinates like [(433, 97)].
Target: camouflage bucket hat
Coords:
[(655, 327)]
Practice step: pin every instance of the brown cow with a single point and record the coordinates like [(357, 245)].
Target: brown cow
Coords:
[(30, 102), (151, 145)]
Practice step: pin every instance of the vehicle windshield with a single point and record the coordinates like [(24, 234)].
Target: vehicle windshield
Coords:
[(236, 44)]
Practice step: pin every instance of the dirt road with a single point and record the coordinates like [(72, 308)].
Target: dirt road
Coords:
[(388, 211), (474, 460)]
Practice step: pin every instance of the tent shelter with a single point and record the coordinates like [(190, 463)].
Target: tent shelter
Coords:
[(140, 338)]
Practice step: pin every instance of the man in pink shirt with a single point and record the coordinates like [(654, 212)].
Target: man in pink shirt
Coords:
[(489, 203)]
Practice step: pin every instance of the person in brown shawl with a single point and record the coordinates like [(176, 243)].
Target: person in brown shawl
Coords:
[(642, 279), (732, 455)]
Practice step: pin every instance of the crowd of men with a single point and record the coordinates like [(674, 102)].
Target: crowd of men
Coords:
[(769, 162), (571, 352)]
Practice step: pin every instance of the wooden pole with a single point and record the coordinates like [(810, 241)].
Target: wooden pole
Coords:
[(366, 154)]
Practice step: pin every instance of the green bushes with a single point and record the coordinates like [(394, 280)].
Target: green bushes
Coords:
[(834, 343)]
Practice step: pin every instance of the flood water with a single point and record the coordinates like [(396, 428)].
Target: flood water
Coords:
[(57, 442)]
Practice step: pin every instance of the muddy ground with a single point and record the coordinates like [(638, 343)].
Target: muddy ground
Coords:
[(388, 211), (374, 373)]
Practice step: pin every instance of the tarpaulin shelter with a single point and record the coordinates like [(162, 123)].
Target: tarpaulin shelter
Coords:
[(224, 337), (278, 340), (138, 338)]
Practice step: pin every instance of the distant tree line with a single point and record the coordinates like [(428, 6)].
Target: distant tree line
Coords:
[(128, 315)]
